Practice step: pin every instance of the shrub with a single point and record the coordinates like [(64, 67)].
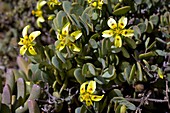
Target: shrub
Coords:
[(91, 56)]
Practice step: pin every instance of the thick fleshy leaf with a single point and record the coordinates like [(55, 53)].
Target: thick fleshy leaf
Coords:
[(74, 47), (33, 106), (91, 87), (65, 29), (89, 102), (32, 50), (40, 4), (78, 75), (118, 41), (25, 30), (76, 35), (122, 10), (107, 33), (83, 88), (23, 49), (33, 35), (112, 23), (96, 97), (128, 32), (67, 5), (122, 22), (21, 42)]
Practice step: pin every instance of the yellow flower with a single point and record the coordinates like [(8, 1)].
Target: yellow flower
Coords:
[(27, 41), (38, 13), (117, 30), (66, 39), (87, 94), (96, 3), (52, 3)]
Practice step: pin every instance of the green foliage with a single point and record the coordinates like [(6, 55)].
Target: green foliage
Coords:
[(131, 77)]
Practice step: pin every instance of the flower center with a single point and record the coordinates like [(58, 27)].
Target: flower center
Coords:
[(86, 96), (118, 31), (37, 13), (27, 41)]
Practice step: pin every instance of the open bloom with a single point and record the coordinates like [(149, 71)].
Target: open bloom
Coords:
[(66, 39), (117, 30), (52, 3), (86, 94), (96, 3), (38, 13), (27, 41)]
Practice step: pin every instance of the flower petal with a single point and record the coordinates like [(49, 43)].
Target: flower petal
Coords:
[(23, 49), (25, 30), (89, 102), (128, 32), (91, 87), (21, 42), (40, 4), (74, 47), (107, 33), (32, 50), (122, 22), (81, 97), (112, 23), (89, 1), (33, 35), (83, 88), (61, 45), (76, 35), (65, 29), (94, 4), (100, 3), (59, 36), (96, 97), (39, 21), (118, 41)]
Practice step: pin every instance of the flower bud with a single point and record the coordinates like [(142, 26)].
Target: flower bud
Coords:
[(123, 109)]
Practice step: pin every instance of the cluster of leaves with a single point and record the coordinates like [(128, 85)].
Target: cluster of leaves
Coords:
[(50, 80)]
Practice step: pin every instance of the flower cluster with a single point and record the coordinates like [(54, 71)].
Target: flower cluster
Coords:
[(39, 13), (117, 30), (96, 3), (87, 94), (27, 41), (66, 39), (52, 3)]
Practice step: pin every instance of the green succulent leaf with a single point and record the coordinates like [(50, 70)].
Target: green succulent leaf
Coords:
[(122, 10), (91, 68), (67, 6), (23, 65), (33, 106), (154, 19), (78, 75), (21, 88), (125, 52), (140, 75), (130, 42), (56, 63), (6, 95), (109, 73)]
